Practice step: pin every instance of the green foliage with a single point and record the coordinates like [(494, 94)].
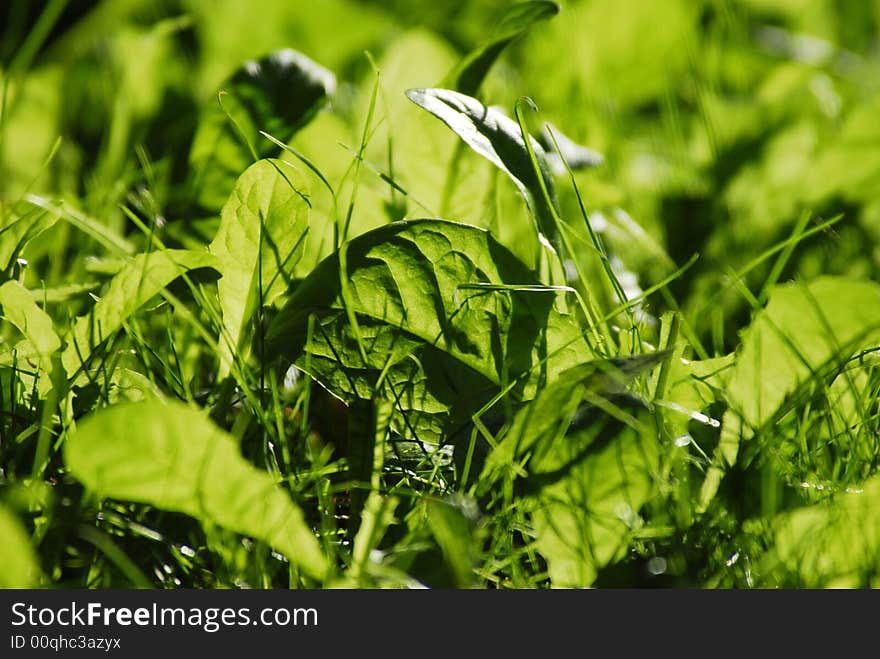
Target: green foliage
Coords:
[(266, 322), (138, 281), (35, 324), (18, 564), (435, 315), (259, 242), (173, 457), (277, 95), (497, 138), (830, 545)]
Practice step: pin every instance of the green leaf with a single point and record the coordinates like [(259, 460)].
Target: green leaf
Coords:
[(806, 330), (497, 138), (833, 544), (561, 405), (584, 455), (585, 492), (277, 94), (433, 318), (453, 524), (137, 282), (18, 564), (171, 456), (260, 240), (413, 148), (469, 73), (35, 324)]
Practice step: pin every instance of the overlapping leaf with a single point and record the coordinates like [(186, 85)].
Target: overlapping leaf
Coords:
[(259, 242), (35, 324), (584, 517), (570, 400), (276, 94), (432, 318), (20, 230), (805, 330), (497, 138), (833, 544), (589, 454)]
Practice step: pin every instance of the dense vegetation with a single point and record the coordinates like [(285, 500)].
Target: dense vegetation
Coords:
[(288, 300)]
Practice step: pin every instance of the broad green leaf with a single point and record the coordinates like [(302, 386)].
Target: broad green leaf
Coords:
[(805, 330), (469, 73), (323, 142), (18, 564), (565, 402), (434, 318), (833, 544), (35, 324), (497, 138), (437, 175), (131, 386), (260, 240), (850, 434), (585, 493), (586, 455), (452, 523), (137, 282), (172, 456), (277, 94)]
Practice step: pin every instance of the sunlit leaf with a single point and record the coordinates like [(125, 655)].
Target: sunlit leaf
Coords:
[(585, 454), (18, 564), (35, 324), (453, 525), (569, 401), (806, 332), (433, 317), (172, 456), (497, 138), (803, 330), (586, 492), (137, 282), (834, 544), (20, 230), (259, 242)]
